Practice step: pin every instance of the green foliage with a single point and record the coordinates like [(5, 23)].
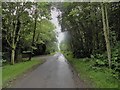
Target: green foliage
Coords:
[(64, 46), (10, 72), (99, 63), (101, 60), (45, 29), (83, 21), (95, 77), (44, 34), (27, 25)]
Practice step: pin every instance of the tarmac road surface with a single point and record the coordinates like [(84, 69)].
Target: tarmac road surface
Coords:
[(54, 73)]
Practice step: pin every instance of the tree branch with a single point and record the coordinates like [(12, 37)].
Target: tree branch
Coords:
[(8, 41)]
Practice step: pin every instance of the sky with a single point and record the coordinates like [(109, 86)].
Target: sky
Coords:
[(54, 20)]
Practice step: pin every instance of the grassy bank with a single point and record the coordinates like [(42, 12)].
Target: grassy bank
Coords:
[(10, 72), (0, 78), (98, 77)]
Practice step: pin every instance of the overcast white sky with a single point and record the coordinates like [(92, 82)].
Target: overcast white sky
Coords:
[(59, 34)]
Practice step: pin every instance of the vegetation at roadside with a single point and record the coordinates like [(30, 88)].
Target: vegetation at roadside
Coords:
[(26, 30), (93, 32), (10, 72), (92, 39), (96, 76), (0, 77)]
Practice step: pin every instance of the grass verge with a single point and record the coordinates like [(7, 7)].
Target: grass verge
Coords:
[(10, 72), (0, 78), (99, 78)]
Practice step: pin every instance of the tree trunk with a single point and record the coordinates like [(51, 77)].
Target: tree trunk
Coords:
[(108, 45), (13, 56), (34, 33), (107, 23), (13, 50), (106, 33)]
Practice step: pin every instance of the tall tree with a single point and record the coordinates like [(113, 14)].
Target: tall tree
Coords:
[(34, 29), (13, 14), (106, 31)]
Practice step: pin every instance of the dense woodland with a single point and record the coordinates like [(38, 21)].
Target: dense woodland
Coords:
[(93, 32), (26, 30)]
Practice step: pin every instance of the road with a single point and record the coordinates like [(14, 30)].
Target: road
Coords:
[(54, 73)]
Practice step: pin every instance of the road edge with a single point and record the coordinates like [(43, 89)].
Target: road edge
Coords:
[(11, 82)]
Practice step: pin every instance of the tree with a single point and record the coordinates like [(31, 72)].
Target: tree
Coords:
[(19, 28), (41, 10), (93, 28), (13, 13), (34, 29), (106, 31)]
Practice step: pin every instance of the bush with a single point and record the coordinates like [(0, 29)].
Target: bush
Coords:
[(102, 60)]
